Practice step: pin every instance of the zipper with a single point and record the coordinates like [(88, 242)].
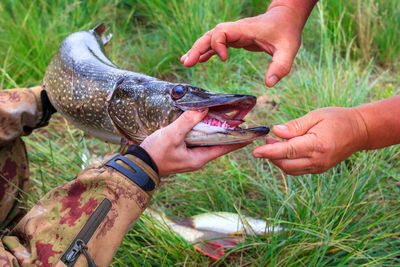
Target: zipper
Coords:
[(79, 245)]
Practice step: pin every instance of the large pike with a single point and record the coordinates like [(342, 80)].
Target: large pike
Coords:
[(114, 104)]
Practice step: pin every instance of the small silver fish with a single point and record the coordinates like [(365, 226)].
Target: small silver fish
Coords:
[(213, 232)]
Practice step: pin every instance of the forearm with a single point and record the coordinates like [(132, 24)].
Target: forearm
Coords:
[(21, 111), (382, 122), (301, 8), (98, 207)]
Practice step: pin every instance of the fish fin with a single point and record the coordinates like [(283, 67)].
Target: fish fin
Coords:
[(124, 145), (214, 244), (125, 134), (112, 93), (225, 241), (209, 250), (100, 29)]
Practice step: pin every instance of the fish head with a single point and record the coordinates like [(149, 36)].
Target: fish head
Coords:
[(158, 104)]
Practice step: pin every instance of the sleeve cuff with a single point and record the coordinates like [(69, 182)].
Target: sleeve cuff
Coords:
[(142, 154)]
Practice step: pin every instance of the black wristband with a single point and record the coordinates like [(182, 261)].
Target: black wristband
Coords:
[(142, 154), (47, 109), (138, 175)]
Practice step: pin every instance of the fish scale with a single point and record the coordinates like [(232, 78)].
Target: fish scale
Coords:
[(114, 104)]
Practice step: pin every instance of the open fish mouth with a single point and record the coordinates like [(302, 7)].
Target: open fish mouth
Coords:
[(222, 123)]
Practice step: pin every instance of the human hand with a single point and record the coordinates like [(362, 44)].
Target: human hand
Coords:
[(277, 32), (167, 146), (317, 141)]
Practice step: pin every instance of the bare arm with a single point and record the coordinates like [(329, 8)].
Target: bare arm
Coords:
[(276, 32), (382, 121), (301, 8), (324, 137)]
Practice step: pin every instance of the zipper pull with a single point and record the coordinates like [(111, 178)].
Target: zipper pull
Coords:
[(84, 250), (73, 253), (79, 247)]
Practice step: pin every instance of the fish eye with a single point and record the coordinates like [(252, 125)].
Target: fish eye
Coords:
[(178, 92)]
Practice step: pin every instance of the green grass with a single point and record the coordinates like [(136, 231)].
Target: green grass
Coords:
[(346, 216)]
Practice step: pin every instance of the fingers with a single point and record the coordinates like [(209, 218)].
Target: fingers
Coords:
[(202, 155), (296, 127), (271, 140), (206, 56), (295, 166), (280, 66), (201, 46), (216, 41), (299, 147), (182, 125)]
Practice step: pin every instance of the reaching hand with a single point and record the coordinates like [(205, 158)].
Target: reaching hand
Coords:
[(277, 32), (316, 142), (168, 149)]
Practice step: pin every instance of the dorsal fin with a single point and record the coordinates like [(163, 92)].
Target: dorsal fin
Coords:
[(99, 29)]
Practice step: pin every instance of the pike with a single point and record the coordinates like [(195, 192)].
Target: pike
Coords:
[(117, 105)]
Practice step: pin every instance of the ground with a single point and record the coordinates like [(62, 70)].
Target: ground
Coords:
[(349, 56)]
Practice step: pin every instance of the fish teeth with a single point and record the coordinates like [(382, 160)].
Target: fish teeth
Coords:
[(217, 123)]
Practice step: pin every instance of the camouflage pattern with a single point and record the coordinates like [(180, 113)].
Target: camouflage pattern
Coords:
[(14, 181), (44, 234), (20, 112)]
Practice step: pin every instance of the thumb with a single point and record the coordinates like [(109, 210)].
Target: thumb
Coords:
[(279, 67), (182, 125), (295, 127)]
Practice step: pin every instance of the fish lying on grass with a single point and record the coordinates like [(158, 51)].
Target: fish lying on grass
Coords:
[(214, 232), (116, 105)]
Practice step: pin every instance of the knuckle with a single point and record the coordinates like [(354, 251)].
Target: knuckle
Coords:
[(188, 116), (291, 152), (322, 148), (221, 26), (297, 125), (284, 69), (209, 33)]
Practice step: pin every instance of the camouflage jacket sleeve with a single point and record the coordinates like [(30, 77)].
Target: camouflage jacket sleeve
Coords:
[(96, 209), (20, 112)]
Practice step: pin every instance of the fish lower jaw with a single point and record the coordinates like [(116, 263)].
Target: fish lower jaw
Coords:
[(209, 128), (204, 134)]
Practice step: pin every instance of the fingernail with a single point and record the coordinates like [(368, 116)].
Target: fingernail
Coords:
[(202, 110), (273, 80), (282, 127), (257, 155), (186, 60), (183, 57)]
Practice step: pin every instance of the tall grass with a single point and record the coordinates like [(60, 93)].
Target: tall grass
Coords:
[(373, 25), (346, 216)]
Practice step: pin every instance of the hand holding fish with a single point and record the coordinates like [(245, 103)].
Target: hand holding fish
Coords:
[(168, 149), (277, 32), (325, 137)]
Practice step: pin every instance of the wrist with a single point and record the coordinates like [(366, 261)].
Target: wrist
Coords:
[(45, 108), (299, 10), (143, 155), (362, 137)]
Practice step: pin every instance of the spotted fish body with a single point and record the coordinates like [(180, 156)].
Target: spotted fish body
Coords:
[(79, 79), (111, 103)]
